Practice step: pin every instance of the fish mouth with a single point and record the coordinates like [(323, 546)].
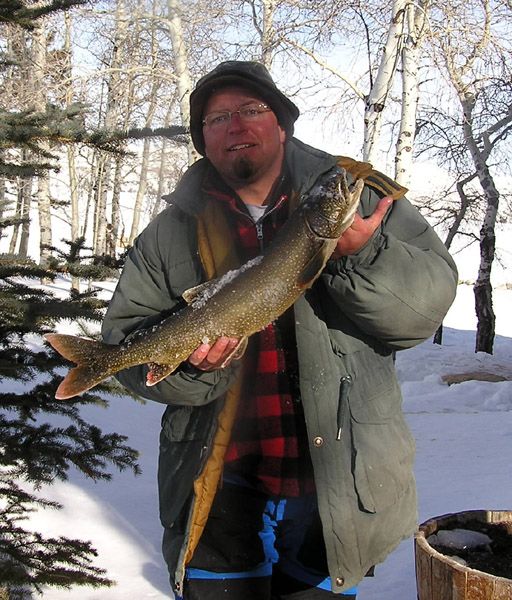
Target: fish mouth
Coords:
[(238, 147)]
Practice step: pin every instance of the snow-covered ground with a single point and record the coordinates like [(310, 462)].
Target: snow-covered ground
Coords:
[(463, 438), (463, 432)]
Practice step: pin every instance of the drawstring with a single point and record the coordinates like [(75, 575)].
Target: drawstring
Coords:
[(346, 383)]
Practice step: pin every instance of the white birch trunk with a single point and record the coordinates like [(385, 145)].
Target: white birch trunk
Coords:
[(162, 175), (377, 97), (113, 230), (268, 32), (20, 234), (71, 152), (143, 173), (115, 93), (415, 22), (38, 71), (182, 72), (100, 207), (467, 94), (141, 191), (483, 289)]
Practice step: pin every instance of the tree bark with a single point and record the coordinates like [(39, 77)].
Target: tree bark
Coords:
[(114, 228), (182, 72), (415, 21), (143, 174), (100, 204), (20, 234), (268, 33), (117, 93), (377, 97), (38, 72), (483, 288)]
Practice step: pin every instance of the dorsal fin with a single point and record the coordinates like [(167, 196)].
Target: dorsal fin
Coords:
[(372, 178)]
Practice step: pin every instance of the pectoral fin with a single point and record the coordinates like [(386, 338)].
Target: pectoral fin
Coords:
[(157, 372), (237, 352)]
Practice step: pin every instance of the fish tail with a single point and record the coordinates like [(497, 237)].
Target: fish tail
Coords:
[(93, 360)]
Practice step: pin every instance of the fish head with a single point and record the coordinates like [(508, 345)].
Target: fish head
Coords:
[(332, 204)]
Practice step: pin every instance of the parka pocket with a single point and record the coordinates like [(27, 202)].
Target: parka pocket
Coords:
[(183, 447), (382, 445), (179, 424)]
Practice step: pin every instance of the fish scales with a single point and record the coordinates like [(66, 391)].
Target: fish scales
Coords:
[(239, 306)]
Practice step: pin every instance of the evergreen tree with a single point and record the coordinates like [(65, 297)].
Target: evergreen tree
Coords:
[(24, 13), (41, 438), (33, 449)]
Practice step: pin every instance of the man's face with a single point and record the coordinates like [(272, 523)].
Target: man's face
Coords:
[(243, 152)]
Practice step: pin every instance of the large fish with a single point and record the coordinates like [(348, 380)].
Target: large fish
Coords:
[(236, 305)]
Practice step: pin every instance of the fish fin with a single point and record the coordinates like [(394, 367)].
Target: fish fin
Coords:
[(237, 352), (311, 271), (195, 292), (157, 372), (373, 178), (86, 354)]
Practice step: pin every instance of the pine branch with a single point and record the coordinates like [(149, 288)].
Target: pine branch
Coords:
[(17, 12), (179, 133)]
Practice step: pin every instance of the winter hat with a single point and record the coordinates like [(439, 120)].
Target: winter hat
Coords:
[(248, 74)]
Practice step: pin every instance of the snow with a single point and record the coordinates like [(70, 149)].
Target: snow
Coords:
[(214, 288), (459, 539), (463, 437)]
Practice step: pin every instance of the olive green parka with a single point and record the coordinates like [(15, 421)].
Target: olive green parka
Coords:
[(390, 296)]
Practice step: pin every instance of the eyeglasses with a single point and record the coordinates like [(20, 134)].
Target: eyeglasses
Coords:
[(249, 112)]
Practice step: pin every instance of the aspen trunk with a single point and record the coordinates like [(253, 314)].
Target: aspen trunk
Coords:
[(100, 204), (415, 21), (141, 191), (268, 32), (377, 97), (483, 289), (38, 72), (115, 226), (182, 72)]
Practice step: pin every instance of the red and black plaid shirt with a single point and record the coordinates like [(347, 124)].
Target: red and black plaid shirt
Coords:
[(269, 446)]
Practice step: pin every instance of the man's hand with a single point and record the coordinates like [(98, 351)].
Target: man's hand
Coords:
[(216, 356), (361, 230)]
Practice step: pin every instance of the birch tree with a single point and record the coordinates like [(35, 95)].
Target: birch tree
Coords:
[(415, 26), (388, 37), (181, 65), (38, 76), (151, 103), (476, 61), (116, 95), (380, 86)]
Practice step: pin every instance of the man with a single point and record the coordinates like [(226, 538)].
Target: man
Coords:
[(286, 474)]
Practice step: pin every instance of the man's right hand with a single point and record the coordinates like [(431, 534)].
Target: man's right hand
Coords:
[(208, 357)]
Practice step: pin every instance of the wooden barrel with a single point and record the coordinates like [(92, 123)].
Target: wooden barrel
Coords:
[(439, 577)]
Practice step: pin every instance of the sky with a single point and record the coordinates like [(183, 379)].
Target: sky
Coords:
[(463, 439)]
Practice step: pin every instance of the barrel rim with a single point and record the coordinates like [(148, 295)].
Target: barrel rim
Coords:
[(424, 530)]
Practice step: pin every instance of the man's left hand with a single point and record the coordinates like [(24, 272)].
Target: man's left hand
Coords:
[(361, 230)]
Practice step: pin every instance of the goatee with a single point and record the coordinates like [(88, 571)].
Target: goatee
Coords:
[(243, 169)]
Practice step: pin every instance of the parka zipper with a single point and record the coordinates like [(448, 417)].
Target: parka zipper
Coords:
[(346, 384), (259, 223), (259, 232)]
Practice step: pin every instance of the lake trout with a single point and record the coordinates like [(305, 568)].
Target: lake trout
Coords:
[(236, 305)]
